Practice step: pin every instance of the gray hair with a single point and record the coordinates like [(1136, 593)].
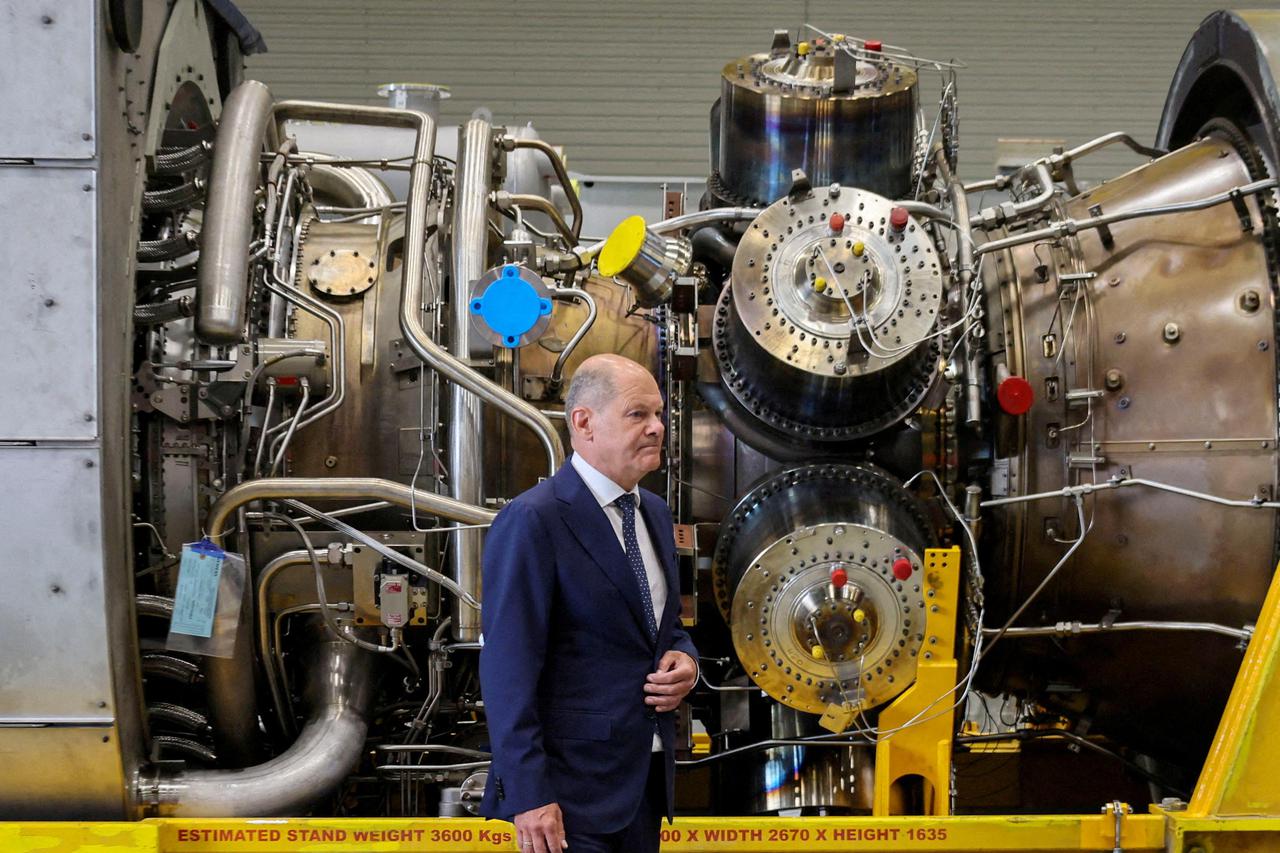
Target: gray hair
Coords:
[(592, 386)]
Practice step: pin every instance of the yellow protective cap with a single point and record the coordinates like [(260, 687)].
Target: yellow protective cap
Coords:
[(858, 249), (622, 246), (859, 616), (802, 48), (837, 37), (817, 652), (819, 284)]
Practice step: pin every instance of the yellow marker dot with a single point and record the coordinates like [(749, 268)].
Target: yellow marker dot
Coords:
[(819, 284), (802, 48), (858, 249), (817, 652), (837, 37), (859, 616)]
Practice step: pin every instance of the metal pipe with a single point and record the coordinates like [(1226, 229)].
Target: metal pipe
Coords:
[(340, 488), (964, 272), (679, 223), (1009, 210), (339, 694), (1117, 483), (506, 201), (562, 175), (293, 427), (557, 372), (262, 613), (433, 355), (473, 178), (710, 243), (1068, 227), (1071, 629), (222, 292)]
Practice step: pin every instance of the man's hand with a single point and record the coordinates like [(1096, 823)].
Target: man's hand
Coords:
[(541, 830), (676, 675)]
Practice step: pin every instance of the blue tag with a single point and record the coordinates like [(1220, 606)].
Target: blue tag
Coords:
[(196, 600)]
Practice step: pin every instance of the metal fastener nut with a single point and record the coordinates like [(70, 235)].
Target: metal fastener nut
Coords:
[(1250, 301), (1172, 332), (1120, 337), (1114, 379)]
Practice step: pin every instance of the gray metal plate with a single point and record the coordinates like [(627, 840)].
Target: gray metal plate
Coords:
[(53, 629), (48, 337), (47, 93)]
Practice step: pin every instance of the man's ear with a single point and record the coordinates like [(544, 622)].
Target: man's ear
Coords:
[(580, 420)]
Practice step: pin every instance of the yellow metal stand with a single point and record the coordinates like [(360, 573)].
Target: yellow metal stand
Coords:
[(1235, 809), (1236, 803), (919, 723)]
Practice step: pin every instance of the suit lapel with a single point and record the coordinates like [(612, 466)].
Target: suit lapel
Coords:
[(587, 522)]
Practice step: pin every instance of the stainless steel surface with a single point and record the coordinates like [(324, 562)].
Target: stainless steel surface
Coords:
[(51, 103), (183, 62), (1198, 413), (819, 780), (827, 336), (781, 113), (49, 295), (474, 177), (222, 296), (772, 572), (339, 692)]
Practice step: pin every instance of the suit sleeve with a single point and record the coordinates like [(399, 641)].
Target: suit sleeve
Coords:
[(519, 588)]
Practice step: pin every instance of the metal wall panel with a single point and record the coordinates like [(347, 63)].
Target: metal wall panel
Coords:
[(55, 665), (626, 86), (48, 328), (46, 100)]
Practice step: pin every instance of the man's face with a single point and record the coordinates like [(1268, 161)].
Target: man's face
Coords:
[(624, 436)]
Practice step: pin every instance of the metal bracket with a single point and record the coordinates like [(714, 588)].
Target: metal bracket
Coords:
[(1242, 210), (1104, 231)]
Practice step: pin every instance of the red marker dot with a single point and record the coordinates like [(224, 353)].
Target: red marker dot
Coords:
[(902, 568), (874, 44), (1015, 395), (837, 223), (839, 577), (898, 218)]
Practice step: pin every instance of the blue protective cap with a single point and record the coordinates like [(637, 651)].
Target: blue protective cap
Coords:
[(510, 306)]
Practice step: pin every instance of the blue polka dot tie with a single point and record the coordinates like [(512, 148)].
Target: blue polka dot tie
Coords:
[(627, 503)]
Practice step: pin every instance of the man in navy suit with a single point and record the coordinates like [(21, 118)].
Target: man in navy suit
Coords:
[(584, 657)]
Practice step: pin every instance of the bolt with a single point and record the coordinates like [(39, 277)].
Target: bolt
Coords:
[(88, 417), (1114, 281), (49, 303), (330, 461), (225, 411), (46, 20), (1114, 379), (1120, 337), (55, 589), (1172, 333), (1263, 346), (1250, 301)]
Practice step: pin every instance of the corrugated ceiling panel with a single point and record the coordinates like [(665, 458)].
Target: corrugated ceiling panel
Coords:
[(626, 87)]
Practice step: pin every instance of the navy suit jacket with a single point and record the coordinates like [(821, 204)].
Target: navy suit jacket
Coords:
[(565, 657)]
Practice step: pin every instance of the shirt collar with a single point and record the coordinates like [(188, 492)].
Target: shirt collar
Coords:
[(604, 490)]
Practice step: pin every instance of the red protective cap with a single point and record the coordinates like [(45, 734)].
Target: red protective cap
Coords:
[(839, 577), (898, 218), (1015, 395), (837, 222), (873, 44), (902, 568)]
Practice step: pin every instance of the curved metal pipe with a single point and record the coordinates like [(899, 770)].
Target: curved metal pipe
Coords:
[(340, 488), (566, 184), (339, 693), (557, 372), (222, 289), (505, 201), (433, 355)]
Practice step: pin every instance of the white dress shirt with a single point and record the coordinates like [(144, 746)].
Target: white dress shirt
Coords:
[(605, 491)]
